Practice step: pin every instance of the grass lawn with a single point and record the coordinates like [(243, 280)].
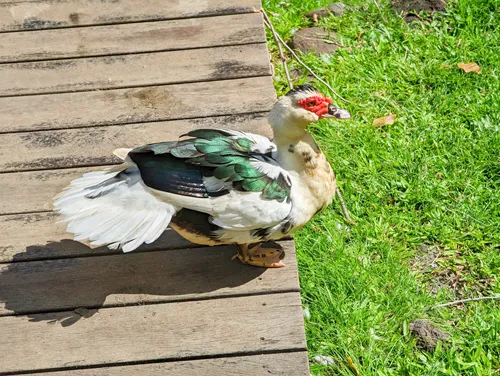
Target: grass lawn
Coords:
[(425, 191)]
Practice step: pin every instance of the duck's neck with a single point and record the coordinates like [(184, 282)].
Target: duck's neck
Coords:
[(297, 151)]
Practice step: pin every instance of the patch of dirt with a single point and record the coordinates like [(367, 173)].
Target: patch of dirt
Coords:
[(411, 8), (315, 40), (430, 262), (425, 262), (441, 268), (427, 334), (419, 5)]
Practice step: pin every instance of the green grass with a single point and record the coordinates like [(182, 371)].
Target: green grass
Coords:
[(424, 191)]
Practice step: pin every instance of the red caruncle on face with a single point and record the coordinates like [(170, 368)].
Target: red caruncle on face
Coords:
[(316, 103)]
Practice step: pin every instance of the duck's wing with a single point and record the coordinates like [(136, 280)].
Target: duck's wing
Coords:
[(230, 175)]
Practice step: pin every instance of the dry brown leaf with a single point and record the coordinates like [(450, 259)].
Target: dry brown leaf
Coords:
[(358, 37), (470, 67), (386, 120)]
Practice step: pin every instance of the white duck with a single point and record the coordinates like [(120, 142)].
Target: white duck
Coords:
[(215, 187)]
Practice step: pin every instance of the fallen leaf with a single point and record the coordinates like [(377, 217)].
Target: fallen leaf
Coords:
[(386, 120), (358, 37), (470, 67), (352, 366)]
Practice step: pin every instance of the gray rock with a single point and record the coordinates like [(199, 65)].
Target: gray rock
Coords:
[(335, 9), (316, 40)]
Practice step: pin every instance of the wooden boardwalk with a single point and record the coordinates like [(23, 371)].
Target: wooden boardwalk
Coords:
[(79, 78)]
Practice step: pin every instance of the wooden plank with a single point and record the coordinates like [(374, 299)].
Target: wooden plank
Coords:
[(160, 331), (46, 14), (34, 191), (132, 38), (280, 364), (37, 236), (94, 146), (158, 68), (136, 278), (122, 106)]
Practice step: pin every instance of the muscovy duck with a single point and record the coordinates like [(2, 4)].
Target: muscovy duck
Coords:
[(213, 187)]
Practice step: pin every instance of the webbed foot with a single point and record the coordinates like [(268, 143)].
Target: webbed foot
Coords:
[(266, 255)]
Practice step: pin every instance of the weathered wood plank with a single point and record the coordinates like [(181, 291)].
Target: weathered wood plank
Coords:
[(158, 68), (46, 14), (122, 106), (280, 364), (94, 146), (136, 278), (132, 38), (34, 191), (37, 236), (160, 331)]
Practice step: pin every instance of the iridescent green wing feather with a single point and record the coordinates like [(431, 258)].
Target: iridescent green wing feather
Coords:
[(243, 160)]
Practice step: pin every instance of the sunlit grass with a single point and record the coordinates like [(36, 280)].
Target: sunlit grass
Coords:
[(430, 181)]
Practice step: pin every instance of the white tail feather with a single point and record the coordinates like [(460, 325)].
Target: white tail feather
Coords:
[(114, 209)]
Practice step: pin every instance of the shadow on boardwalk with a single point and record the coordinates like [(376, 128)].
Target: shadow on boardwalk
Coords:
[(77, 287)]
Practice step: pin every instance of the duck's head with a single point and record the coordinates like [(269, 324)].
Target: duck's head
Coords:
[(300, 107)]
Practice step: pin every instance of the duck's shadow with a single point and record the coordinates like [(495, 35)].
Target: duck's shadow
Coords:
[(67, 290)]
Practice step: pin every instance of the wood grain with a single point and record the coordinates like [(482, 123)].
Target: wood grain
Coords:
[(95, 145), (159, 331), (281, 364), (37, 236), (132, 38), (158, 68), (122, 106), (137, 278), (34, 191), (47, 14)]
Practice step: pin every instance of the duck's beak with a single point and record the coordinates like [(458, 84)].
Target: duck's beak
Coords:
[(337, 113)]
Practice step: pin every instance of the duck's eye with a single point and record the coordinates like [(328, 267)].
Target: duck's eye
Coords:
[(311, 104)]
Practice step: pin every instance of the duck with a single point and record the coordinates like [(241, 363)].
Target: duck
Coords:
[(212, 186)]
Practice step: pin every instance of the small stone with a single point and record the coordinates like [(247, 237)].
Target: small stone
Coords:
[(324, 360), (307, 314), (335, 9), (427, 334), (316, 40)]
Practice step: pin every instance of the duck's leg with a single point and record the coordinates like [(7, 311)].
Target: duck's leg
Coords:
[(266, 255), (242, 254)]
